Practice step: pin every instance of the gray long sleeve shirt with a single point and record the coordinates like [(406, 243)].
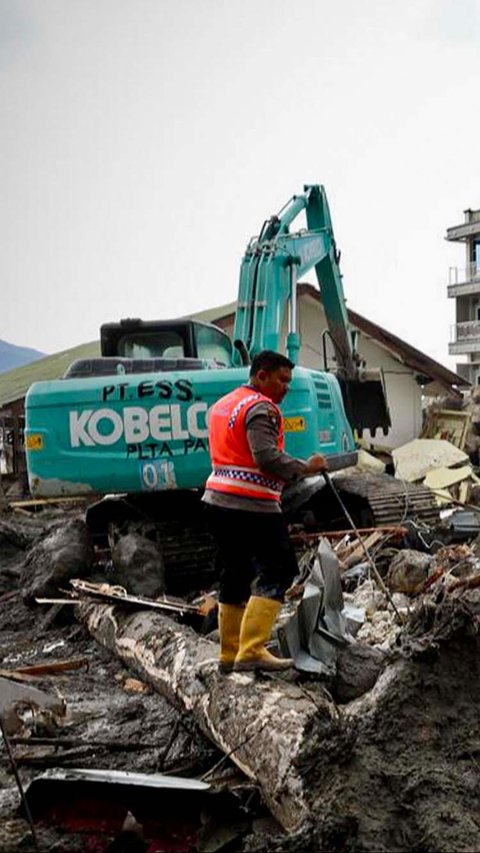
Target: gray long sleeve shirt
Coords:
[(263, 424)]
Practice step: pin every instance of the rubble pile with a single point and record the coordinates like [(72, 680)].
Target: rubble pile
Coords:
[(379, 753)]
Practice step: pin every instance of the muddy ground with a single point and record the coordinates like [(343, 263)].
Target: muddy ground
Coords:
[(400, 771), (101, 705)]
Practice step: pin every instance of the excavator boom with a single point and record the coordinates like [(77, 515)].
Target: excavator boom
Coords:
[(270, 269)]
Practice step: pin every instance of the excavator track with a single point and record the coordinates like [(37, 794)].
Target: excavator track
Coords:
[(384, 500), (175, 521)]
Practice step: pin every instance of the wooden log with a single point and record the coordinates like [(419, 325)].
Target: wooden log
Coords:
[(272, 729)]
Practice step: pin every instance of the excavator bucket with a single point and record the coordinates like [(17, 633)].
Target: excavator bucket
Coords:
[(365, 403)]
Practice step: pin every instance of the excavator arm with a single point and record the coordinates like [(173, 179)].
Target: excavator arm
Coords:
[(270, 268)]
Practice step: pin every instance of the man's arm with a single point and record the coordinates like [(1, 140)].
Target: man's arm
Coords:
[(263, 425)]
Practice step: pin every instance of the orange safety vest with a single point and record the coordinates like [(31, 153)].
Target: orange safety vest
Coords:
[(235, 471)]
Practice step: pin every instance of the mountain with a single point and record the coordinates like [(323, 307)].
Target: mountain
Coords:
[(12, 356)]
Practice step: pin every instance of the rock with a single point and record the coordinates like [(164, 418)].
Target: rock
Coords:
[(358, 667), (64, 554), (408, 571), (138, 566)]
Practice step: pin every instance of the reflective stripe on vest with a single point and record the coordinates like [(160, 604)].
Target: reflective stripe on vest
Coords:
[(234, 468)]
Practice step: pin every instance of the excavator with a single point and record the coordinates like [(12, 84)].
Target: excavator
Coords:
[(132, 425)]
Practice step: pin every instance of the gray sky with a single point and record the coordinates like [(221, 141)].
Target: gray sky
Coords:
[(143, 142)]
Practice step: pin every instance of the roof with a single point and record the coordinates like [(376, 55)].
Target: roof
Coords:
[(418, 361), (15, 383)]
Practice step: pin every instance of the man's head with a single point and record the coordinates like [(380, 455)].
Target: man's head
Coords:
[(271, 373)]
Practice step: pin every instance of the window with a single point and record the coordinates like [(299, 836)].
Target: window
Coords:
[(214, 345), (162, 344)]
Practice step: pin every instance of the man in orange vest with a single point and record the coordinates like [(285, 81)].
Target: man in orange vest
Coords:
[(249, 471)]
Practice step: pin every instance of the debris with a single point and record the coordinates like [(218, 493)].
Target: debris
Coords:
[(367, 462), (408, 571), (15, 697), (449, 425), (131, 838), (18, 781), (464, 524), (55, 742), (355, 552), (56, 759), (266, 725), (134, 685), (317, 628), (442, 478), (118, 595), (52, 667), (415, 459), (176, 813)]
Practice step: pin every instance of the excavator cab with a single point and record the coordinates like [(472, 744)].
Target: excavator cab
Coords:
[(143, 339), (135, 346)]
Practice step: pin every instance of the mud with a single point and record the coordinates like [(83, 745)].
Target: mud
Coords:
[(399, 771), (99, 709), (411, 779)]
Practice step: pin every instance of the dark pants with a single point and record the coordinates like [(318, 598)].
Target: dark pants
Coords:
[(254, 553)]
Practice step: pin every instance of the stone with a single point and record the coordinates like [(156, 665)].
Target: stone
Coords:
[(65, 553), (138, 566), (408, 571)]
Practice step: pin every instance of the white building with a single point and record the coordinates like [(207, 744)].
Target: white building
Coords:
[(464, 287), (409, 373)]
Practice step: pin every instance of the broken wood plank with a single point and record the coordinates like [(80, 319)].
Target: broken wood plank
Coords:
[(114, 746), (56, 759), (52, 667), (355, 555), (47, 501), (118, 595), (14, 675), (339, 534), (271, 728)]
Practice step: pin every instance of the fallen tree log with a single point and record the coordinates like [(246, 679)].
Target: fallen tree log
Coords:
[(272, 729), (396, 769)]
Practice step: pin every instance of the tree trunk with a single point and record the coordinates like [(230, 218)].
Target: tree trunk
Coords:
[(272, 729)]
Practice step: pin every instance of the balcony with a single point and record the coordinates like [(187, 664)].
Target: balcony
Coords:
[(463, 281), (465, 338), (468, 229)]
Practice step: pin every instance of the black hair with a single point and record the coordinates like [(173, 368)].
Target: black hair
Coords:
[(269, 360)]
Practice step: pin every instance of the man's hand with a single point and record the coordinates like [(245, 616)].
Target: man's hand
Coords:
[(316, 463)]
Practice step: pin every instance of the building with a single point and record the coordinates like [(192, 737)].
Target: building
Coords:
[(409, 374), (464, 287)]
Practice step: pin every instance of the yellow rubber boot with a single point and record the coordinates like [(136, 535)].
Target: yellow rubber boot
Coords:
[(229, 621), (257, 624)]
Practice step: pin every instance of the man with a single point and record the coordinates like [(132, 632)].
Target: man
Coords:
[(250, 469)]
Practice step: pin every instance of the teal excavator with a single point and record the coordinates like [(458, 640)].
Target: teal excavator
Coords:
[(133, 424)]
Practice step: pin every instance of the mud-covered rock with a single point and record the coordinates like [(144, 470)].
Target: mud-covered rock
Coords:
[(358, 667), (408, 571), (65, 553), (139, 566), (16, 537)]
